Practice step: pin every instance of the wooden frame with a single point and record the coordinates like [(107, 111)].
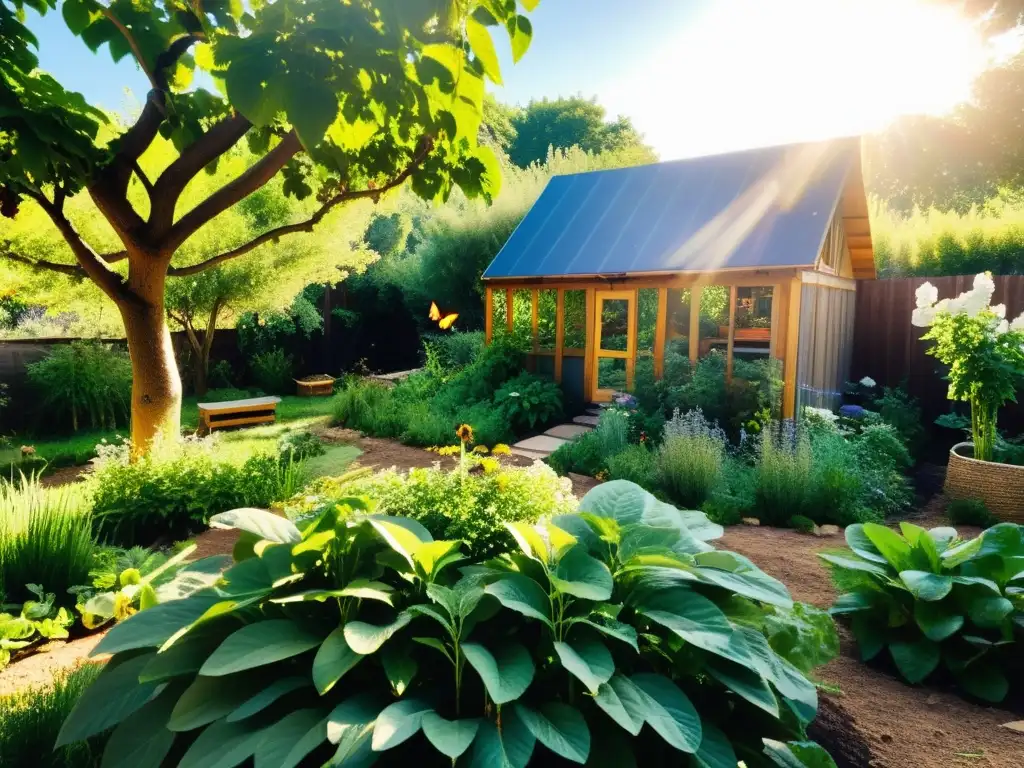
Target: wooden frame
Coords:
[(597, 394)]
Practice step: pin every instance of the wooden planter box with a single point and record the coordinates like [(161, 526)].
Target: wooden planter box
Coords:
[(315, 387), (1000, 486), (747, 334)]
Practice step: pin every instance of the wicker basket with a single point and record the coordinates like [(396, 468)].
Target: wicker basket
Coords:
[(1000, 486)]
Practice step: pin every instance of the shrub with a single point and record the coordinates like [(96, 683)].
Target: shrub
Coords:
[(272, 372), (612, 431), (37, 621), (882, 446), (781, 476), (299, 446), (173, 492), (582, 455), (635, 463), (45, 538), (83, 381), (933, 600), (690, 460), (802, 524), (448, 353), (970, 512), (369, 407), (410, 662), (479, 381), (902, 411), (31, 718), (529, 400)]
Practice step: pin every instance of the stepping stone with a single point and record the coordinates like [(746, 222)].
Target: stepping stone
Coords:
[(567, 431), (589, 421), (535, 455), (593, 411), (541, 444)]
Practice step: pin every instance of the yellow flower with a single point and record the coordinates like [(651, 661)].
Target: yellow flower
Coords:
[(490, 465), (502, 481), (481, 450), (465, 433), (501, 450), (602, 476), (449, 450)]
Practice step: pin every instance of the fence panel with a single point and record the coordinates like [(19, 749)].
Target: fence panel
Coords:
[(889, 349)]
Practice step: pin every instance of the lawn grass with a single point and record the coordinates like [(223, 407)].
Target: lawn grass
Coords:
[(293, 413)]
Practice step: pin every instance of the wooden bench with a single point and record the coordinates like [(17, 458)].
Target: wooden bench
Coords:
[(235, 413)]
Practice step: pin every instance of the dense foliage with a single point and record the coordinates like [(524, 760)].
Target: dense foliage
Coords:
[(351, 638), (936, 602)]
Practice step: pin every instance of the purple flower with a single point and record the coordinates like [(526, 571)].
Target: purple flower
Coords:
[(852, 411)]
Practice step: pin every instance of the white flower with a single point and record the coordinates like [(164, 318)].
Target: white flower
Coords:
[(513, 394), (999, 310), (927, 295), (1002, 328), (985, 287), (822, 413), (868, 382), (923, 317), (1018, 324)]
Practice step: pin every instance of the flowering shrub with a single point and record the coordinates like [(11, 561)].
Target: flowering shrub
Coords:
[(984, 352)]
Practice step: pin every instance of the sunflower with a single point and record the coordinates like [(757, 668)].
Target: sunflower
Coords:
[(465, 433)]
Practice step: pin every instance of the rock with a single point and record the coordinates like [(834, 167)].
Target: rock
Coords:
[(750, 521), (826, 530)]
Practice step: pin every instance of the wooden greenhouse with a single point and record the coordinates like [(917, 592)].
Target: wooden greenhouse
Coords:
[(753, 254)]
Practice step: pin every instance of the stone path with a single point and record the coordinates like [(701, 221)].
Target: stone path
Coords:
[(542, 446)]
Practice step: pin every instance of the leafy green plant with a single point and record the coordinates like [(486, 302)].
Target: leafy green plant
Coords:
[(272, 371), (529, 400), (583, 455), (802, 524), (781, 473), (30, 720), (611, 636), (299, 446), (934, 601), (689, 467), (899, 409), (635, 463), (612, 431), (45, 537), (970, 512), (37, 620), (83, 381)]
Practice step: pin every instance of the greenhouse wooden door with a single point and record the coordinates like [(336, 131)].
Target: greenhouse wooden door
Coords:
[(614, 344)]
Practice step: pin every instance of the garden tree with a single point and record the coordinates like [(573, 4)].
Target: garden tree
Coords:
[(497, 123), (571, 122), (343, 101)]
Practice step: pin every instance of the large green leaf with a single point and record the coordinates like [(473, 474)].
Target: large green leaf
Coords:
[(937, 620), (581, 575), (400, 536), (183, 658), (115, 695), (520, 32), (695, 619), (798, 754), (870, 633), (334, 658), (141, 738), (612, 628), (715, 750), (400, 666), (983, 679), (312, 106), (350, 726), (223, 745), (368, 638), (800, 693), (859, 542), (398, 722), (558, 727), (506, 673), (623, 702), (852, 564), (483, 46), (449, 737), (988, 610), (669, 712), (259, 644), (890, 544), (511, 747), (588, 659), (154, 626), (522, 594), (747, 683), (210, 698), (620, 500), (929, 587), (259, 522), (290, 739), (266, 697), (915, 660), (737, 574)]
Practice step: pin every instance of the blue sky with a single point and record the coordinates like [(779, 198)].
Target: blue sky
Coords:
[(696, 76)]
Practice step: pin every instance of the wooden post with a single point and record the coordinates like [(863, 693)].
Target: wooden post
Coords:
[(632, 342), (779, 296), (733, 296), (589, 344), (559, 332), (695, 292), (509, 313), (488, 314), (534, 299), (791, 350), (660, 331)]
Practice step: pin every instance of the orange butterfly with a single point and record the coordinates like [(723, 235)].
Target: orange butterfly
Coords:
[(444, 323)]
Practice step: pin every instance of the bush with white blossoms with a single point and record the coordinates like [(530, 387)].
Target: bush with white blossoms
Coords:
[(984, 352)]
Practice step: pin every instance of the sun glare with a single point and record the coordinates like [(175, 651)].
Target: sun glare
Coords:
[(748, 73)]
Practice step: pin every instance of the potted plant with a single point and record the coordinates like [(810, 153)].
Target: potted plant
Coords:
[(317, 385), (985, 355)]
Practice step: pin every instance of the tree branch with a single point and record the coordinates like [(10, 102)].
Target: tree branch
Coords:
[(136, 51), (248, 182), (144, 179), (426, 146), (221, 137), (72, 270)]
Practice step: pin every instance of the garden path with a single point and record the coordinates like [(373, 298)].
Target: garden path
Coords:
[(542, 446)]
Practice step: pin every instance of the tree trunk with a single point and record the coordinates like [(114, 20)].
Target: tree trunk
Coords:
[(156, 385), (199, 370)]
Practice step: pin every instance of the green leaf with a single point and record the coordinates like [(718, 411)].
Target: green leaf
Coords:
[(266, 697), (715, 750), (623, 702), (259, 522), (509, 748), (402, 537), (987, 610), (737, 574), (695, 619), (530, 5), (560, 728), (588, 659), (669, 712), (155, 626), (350, 726), (619, 500), (612, 628), (398, 722), (290, 739), (257, 645), (890, 544), (798, 754), (432, 612), (399, 666), (334, 658), (520, 33), (482, 45), (367, 638), (522, 594), (915, 660), (870, 634), (433, 556), (183, 658), (529, 540), (506, 674), (852, 564), (141, 738), (210, 698), (746, 683), (937, 621), (114, 696), (983, 680), (449, 737), (223, 745), (580, 575), (929, 587), (312, 106)]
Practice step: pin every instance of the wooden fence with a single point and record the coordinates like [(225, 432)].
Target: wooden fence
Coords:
[(889, 349)]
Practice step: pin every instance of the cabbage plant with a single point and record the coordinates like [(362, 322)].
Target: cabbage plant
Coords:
[(617, 636), (935, 602)]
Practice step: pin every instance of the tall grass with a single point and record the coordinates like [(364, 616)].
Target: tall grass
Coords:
[(612, 431), (781, 477), (45, 538), (689, 468), (30, 720)]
